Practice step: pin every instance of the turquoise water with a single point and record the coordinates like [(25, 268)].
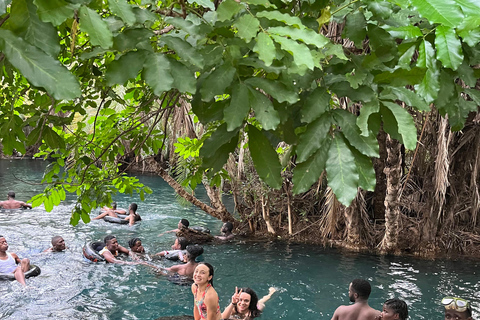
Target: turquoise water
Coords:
[(311, 281)]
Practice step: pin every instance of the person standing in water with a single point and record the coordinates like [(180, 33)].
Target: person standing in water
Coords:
[(205, 297), (358, 292), (11, 203), (226, 231)]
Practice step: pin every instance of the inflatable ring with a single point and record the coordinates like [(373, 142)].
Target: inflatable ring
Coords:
[(91, 253), (32, 272), (175, 254), (180, 280), (200, 229), (118, 219)]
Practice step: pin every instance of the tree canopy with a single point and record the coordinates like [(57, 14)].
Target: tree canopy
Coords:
[(90, 80)]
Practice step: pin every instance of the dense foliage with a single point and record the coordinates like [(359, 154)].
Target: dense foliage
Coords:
[(91, 80)]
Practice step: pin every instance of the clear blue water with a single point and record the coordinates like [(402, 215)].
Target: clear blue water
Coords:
[(311, 281)]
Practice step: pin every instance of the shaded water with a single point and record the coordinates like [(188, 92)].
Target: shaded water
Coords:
[(312, 281)]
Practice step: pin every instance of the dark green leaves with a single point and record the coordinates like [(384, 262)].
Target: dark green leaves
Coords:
[(97, 29), (449, 48), (216, 82)]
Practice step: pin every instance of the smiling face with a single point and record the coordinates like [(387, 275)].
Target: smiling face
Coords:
[(59, 244), (201, 275), (243, 302), (112, 245), (452, 314), (389, 314), (137, 247)]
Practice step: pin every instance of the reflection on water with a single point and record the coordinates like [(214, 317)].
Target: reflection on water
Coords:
[(312, 281)]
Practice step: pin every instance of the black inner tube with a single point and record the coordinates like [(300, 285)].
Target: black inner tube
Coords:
[(32, 272)]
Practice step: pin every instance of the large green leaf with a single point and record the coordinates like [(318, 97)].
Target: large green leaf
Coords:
[(449, 48), (97, 29), (315, 105), (126, 67), (367, 145), (24, 22), (227, 9), (247, 27), (446, 90), (55, 11), (429, 87), (184, 50), (38, 67), (282, 17), (367, 110), (183, 78), (382, 43), (123, 10), (276, 89), (366, 173), (157, 73), (401, 77), (311, 140), (307, 36), (406, 125), (408, 96), (131, 38), (405, 32), (238, 108), (307, 173), (204, 3), (265, 48), (355, 28), (265, 113), (426, 55), (216, 82), (341, 170), (264, 157), (458, 112), (219, 137), (444, 12), (300, 52)]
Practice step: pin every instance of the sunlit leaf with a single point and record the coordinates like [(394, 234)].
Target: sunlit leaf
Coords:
[(406, 125), (449, 48), (265, 48), (445, 12), (97, 29)]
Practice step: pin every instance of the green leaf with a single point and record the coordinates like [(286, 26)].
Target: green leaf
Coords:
[(341, 170), (247, 27), (265, 48), (307, 36), (282, 17), (382, 43), (366, 173), (264, 3), (123, 10), (407, 96), (184, 50), (204, 3), (429, 87), (216, 148), (404, 32), (383, 9), (183, 78), (316, 104), (368, 108), (446, 91), (367, 145), (125, 68), (311, 140), (300, 52), (40, 69), (356, 28), (444, 12), (216, 82), (238, 108), (264, 158), (157, 73), (55, 11), (227, 9), (265, 113), (406, 125), (131, 39), (405, 59), (276, 89), (458, 113), (25, 23), (97, 29), (449, 48), (305, 174), (401, 77), (426, 55)]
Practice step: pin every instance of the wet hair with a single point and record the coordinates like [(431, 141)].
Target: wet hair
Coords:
[(362, 288), (11, 194), (185, 222), (183, 242), (398, 306), (2, 237), (210, 271), (55, 239), (133, 241), (114, 205), (194, 250), (108, 238), (254, 311), (134, 207), (229, 226)]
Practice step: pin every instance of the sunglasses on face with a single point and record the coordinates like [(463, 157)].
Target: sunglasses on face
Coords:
[(458, 304)]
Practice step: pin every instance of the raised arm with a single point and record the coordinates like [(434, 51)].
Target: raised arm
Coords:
[(231, 307), (261, 302)]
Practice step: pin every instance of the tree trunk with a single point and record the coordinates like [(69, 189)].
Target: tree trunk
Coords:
[(381, 185), (266, 215), (352, 223), (393, 172)]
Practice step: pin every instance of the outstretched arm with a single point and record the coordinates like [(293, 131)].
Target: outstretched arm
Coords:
[(261, 302)]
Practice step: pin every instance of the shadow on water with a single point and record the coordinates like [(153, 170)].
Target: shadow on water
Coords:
[(311, 281)]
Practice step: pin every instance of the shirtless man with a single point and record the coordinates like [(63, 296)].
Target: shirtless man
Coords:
[(11, 203), (11, 263), (358, 292), (226, 232), (187, 269), (58, 245)]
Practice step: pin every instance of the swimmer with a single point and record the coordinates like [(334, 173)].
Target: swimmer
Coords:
[(112, 249), (135, 245), (133, 216), (11, 263), (245, 304), (358, 292), (394, 309), (177, 252), (205, 297), (226, 231), (182, 224), (58, 245), (187, 269), (11, 203), (457, 309), (114, 209)]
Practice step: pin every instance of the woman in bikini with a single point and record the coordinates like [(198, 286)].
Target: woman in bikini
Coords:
[(245, 304), (205, 297)]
